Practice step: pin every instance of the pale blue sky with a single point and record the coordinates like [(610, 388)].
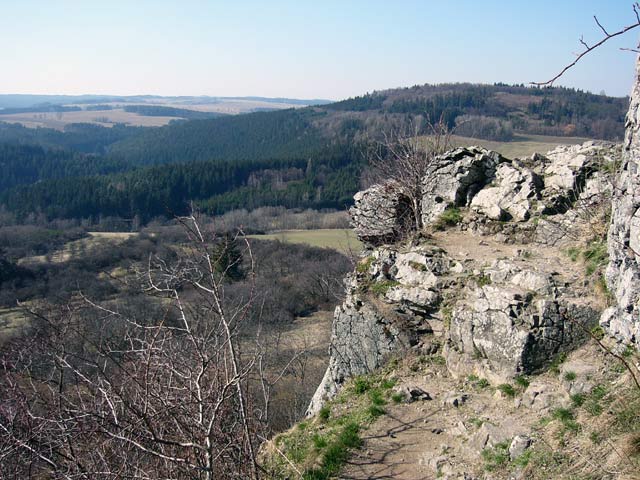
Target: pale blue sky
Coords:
[(304, 49)]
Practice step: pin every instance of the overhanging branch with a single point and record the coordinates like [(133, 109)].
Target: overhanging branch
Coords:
[(589, 48)]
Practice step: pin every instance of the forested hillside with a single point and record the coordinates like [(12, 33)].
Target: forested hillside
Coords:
[(216, 186), (496, 112), (308, 157), (83, 137), (279, 134)]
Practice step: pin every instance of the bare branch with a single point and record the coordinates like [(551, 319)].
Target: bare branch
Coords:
[(588, 49)]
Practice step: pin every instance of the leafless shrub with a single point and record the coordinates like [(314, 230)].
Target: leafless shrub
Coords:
[(402, 160), (132, 397)]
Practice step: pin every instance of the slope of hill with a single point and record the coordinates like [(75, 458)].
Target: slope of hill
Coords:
[(302, 157)]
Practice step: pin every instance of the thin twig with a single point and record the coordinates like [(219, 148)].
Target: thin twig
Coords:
[(588, 49)]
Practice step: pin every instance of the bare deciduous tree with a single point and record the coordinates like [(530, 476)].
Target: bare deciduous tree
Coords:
[(403, 157), (133, 397)]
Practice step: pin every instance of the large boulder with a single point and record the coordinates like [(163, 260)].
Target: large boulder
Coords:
[(567, 170), (514, 323), (381, 215), (513, 196), (362, 338), (455, 177), (387, 308)]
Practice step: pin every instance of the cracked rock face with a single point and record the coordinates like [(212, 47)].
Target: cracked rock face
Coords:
[(380, 215), (623, 271), (361, 339), (568, 169), (514, 195), (368, 328), (503, 329), (455, 177)]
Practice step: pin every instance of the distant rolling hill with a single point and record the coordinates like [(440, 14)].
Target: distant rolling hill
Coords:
[(296, 157), (58, 111)]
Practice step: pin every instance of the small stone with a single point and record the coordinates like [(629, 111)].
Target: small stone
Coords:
[(456, 400), (437, 463), (519, 445), (416, 393)]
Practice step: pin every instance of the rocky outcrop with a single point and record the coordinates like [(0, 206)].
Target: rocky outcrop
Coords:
[(494, 319), (455, 177), (568, 168), (386, 310), (515, 324), (516, 190), (623, 272), (362, 338), (380, 215)]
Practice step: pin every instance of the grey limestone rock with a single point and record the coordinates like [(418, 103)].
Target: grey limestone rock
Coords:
[(503, 329), (623, 271), (361, 339), (519, 445), (380, 215), (455, 177), (513, 197), (541, 397), (567, 174), (576, 377)]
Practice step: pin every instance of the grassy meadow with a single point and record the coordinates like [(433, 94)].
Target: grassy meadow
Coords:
[(522, 145), (342, 240)]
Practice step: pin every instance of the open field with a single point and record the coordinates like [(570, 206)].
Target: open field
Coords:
[(107, 118), (522, 145), (113, 235), (12, 320), (342, 240), (82, 246)]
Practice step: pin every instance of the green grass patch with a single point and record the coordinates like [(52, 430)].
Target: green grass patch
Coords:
[(578, 399), (320, 449), (376, 411), (554, 367), (421, 267), (482, 383), (361, 385), (478, 422), (573, 253), (523, 460), (388, 383), (324, 413), (496, 457), (450, 217), (562, 414), (364, 265), (482, 280), (570, 376), (522, 381), (507, 389), (397, 397), (319, 442), (595, 256), (567, 418), (376, 397), (382, 287)]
